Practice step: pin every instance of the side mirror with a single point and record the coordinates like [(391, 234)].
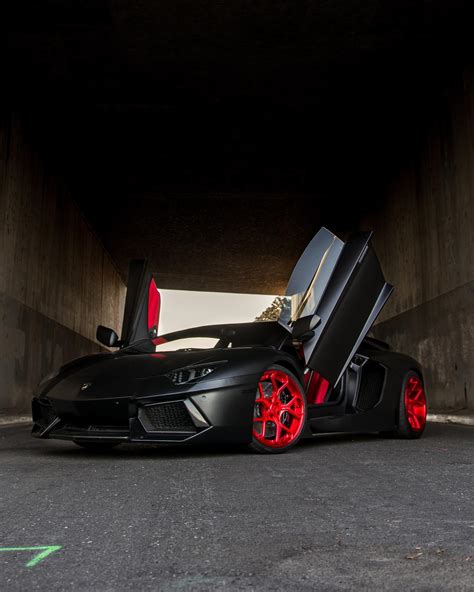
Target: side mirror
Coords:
[(303, 327), (107, 336)]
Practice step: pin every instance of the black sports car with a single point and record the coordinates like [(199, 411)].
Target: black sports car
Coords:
[(266, 384)]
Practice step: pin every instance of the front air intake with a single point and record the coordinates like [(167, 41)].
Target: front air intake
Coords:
[(173, 417)]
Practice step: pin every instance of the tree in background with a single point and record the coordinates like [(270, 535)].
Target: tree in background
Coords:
[(273, 312)]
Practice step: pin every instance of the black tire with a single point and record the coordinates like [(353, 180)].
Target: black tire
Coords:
[(404, 429), (258, 446), (97, 446)]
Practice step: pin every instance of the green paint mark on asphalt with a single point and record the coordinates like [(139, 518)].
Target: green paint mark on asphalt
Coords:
[(43, 552)]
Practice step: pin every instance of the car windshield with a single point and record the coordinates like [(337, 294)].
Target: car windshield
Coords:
[(255, 334), (188, 343), (311, 276), (264, 334)]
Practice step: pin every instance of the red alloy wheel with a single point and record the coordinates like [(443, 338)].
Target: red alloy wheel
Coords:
[(279, 411), (415, 403)]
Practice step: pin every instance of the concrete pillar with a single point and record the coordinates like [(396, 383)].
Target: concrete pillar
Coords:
[(56, 280), (425, 238)]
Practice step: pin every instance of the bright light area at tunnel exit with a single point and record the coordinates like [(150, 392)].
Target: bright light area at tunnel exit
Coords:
[(181, 309)]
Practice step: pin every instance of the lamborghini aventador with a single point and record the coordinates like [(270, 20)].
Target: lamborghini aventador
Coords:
[(264, 384)]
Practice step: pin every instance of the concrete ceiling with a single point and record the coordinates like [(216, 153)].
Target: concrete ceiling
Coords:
[(216, 137)]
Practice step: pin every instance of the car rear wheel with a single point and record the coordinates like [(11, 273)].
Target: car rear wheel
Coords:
[(280, 411), (97, 446), (413, 407)]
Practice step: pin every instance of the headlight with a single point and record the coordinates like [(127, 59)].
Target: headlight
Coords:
[(191, 373)]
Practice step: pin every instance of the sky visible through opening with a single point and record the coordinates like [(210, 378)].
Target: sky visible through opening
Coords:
[(181, 309)]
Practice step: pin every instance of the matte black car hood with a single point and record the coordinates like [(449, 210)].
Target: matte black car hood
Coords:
[(146, 365), (124, 374)]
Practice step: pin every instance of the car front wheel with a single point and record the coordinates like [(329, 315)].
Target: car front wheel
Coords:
[(280, 411)]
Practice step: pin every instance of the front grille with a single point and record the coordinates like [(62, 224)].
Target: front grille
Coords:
[(371, 385), (170, 417), (97, 422)]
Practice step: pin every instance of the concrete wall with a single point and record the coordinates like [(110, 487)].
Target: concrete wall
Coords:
[(56, 280), (425, 239)]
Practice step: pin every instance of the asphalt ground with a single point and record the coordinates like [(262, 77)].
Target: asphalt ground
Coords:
[(336, 513)]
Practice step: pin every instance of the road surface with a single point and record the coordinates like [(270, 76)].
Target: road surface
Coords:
[(337, 513)]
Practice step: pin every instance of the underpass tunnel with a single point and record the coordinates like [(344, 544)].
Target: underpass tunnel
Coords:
[(216, 141)]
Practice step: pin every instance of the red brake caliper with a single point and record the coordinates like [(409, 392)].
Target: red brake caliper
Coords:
[(279, 410), (415, 403)]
